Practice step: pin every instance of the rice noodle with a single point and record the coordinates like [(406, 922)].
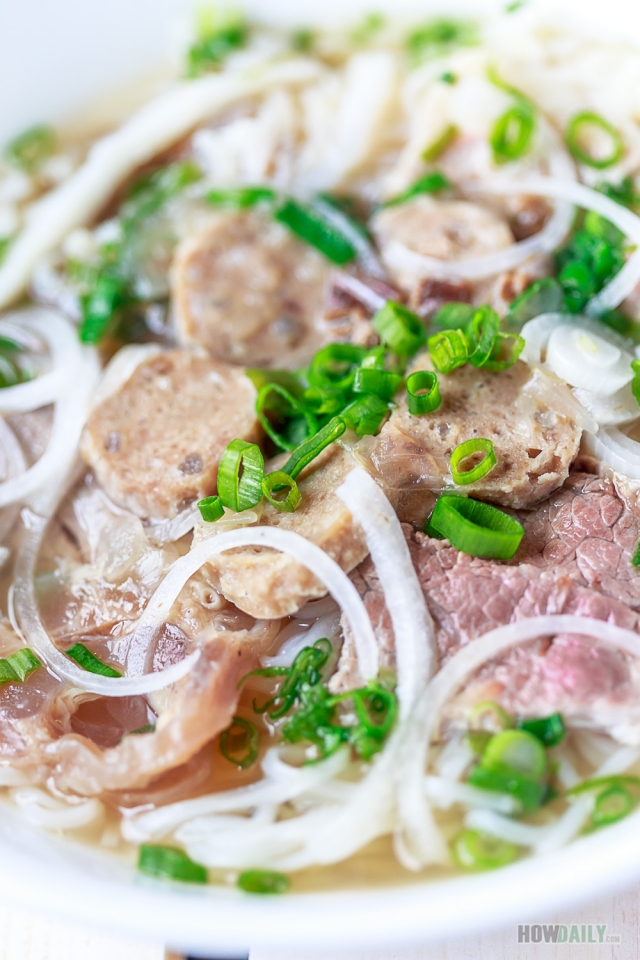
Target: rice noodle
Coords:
[(445, 793), (111, 160), (43, 810), (368, 297)]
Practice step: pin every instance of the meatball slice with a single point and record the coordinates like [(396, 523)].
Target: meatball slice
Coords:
[(531, 420), (250, 292), (155, 444)]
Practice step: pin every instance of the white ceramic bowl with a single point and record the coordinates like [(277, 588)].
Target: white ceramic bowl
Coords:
[(54, 59)]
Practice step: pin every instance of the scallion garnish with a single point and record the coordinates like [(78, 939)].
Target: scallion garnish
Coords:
[(431, 183), (611, 805), (88, 661), (423, 392), (30, 149), (335, 365), (311, 448), (366, 415), (467, 449), (382, 383), (216, 40), (276, 482), (5, 243), (211, 509), (263, 881), (615, 779), (303, 40), (453, 316), (577, 137), (399, 329), (512, 133), (448, 350), (543, 296), (550, 730), (528, 792), (240, 742), (307, 224), (296, 422), (169, 863), (18, 666), (241, 198), (145, 728), (475, 528), (448, 77), (439, 36), (505, 353), (516, 750), (240, 476), (435, 150), (482, 333), (473, 850), (324, 401), (489, 716)]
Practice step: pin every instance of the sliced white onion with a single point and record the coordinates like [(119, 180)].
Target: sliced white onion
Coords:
[(111, 160), (168, 531), (302, 550), (415, 645), (445, 793), (618, 408), (360, 291), (616, 450), (367, 257), (625, 282), (66, 357), (513, 831), (588, 361)]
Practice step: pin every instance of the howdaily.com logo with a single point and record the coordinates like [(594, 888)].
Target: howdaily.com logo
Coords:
[(565, 933)]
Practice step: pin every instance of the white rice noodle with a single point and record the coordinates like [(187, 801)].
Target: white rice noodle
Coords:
[(398, 257), (421, 835), (513, 831), (43, 810), (616, 450), (152, 129), (305, 552), (66, 355), (445, 793), (454, 758), (628, 278), (10, 777), (415, 646), (364, 294), (366, 255)]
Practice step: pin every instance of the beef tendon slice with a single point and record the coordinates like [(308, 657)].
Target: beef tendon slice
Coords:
[(531, 420), (156, 443), (250, 292)]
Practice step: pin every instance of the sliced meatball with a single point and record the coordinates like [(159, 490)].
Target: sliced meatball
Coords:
[(250, 292), (155, 444), (528, 417), (268, 584)]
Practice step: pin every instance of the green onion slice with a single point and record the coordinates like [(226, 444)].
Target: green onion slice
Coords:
[(211, 509), (435, 150), (215, 42), (169, 863), (516, 750), (335, 366), (263, 881), (635, 560), (381, 382), (473, 850), (476, 528), (529, 793), (240, 742), (432, 182), (324, 401), (284, 378), (88, 661), (241, 198), (18, 666), (512, 133), (578, 131), (611, 805), (31, 148), (550, 730), (311, 448), (296, 419), (482, 334), (454, 316), (448, 350), (276, 482), (615, 779), (366, 415), (307, 224), (543, 296), (99, 306), (506, 352), (468, 449), (399, 329), (489, 716), (240, 476), (423, 392)]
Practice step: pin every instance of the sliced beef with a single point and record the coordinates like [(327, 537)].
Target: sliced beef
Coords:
[(155, 444), (575, 558), (528, 417), (250, 292)]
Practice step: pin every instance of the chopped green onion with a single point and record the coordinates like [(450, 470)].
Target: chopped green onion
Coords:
[(448, 77), (5, 243), (240, 742), (169, 863), (550, 730), (543, 296), (241, 198), (435, 150), (324, 401), (263, 881), (516, 750), (284, 378), (515, 5), (240, 476), (615, 779), (512, 133), (448, 350), (423, 392), (468, 449), (489, 715), (529, 793), (431, 183), (151, 193), (146, 728), (303, 40), (365, 415), (439, 36), (31, 148), (453, 316), (482, 334), (211, 509), (505, 353), (578, 131), (381, 382), (18, 666), (275, 482), (611, 805), (473, 850), (399, 329), (335, 366), (98, 308), (371, 24), (635, 389), (476, 528), (311, 448), (88, 661), (297, 421), (578, 285), (376, 710), (307, 224), (216, 40), (305, 671), (10, 372)]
